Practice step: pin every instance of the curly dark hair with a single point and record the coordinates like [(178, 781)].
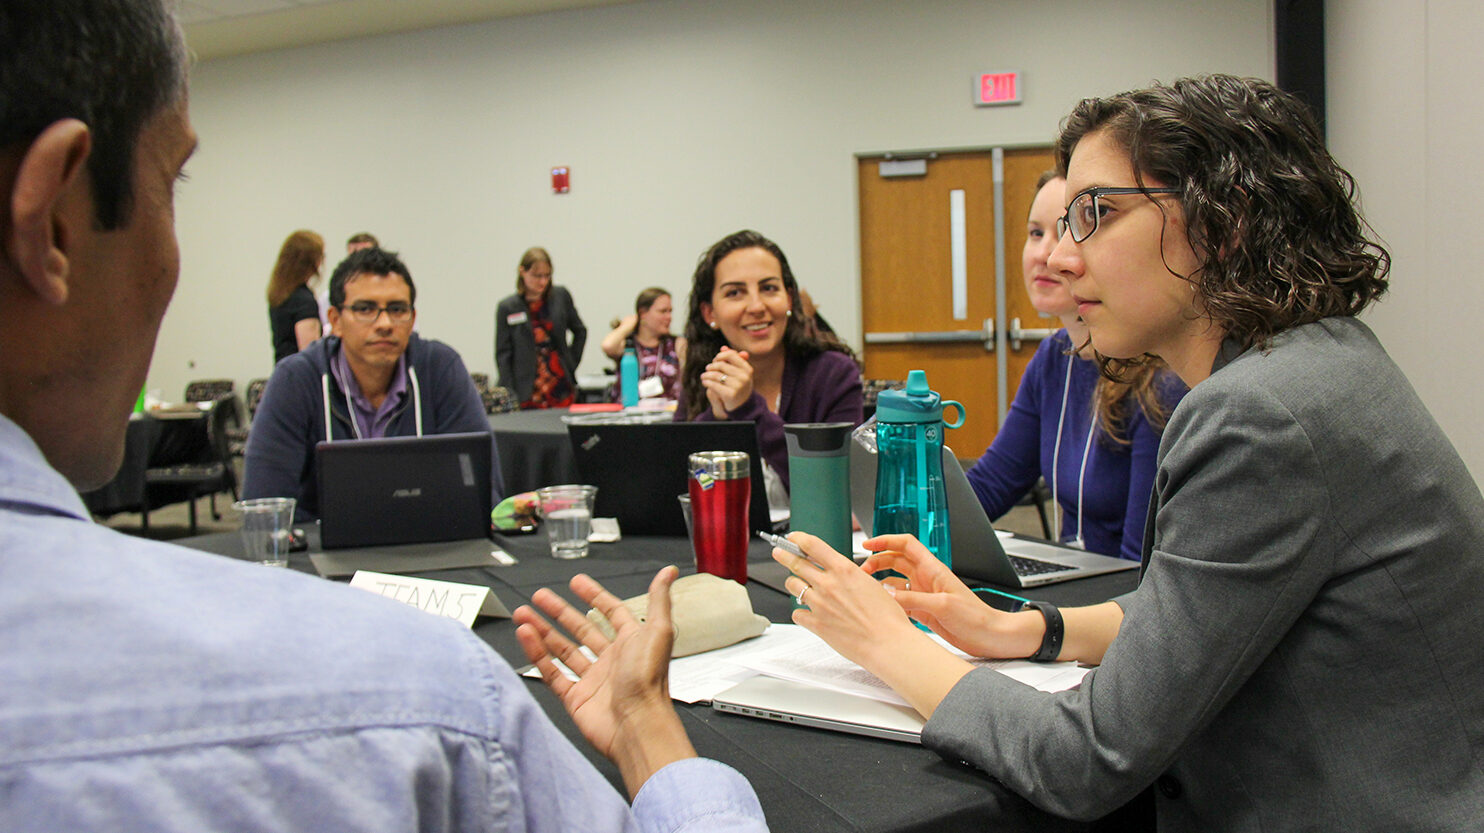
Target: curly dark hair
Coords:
[(703, 342), (1267, 209)]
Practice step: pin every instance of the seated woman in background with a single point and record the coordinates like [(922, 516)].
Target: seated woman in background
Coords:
[(659, 353), (1094, 439), (293, 313), (532, 327), (748, 357), (1302, 650)]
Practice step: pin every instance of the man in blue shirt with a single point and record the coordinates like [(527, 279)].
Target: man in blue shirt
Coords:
[(374, 377), (148, 687)]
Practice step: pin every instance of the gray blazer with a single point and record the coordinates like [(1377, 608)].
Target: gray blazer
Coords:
[(515, 346), (1306, 648)]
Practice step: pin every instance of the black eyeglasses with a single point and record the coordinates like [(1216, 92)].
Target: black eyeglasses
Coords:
[(366, 312), (1081, 219)]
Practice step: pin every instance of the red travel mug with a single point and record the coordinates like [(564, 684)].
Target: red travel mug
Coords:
[(720, 494)]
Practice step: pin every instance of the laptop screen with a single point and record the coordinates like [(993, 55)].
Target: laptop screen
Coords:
[(404, 490), (640, 470)]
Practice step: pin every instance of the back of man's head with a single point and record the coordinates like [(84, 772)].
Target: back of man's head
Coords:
[(362, 240), (111, 64), (368, 262)]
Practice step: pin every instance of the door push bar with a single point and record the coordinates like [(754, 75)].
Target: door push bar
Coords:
[(1018, 335), (984, 336)]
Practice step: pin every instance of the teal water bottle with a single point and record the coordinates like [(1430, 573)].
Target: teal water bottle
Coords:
[(819, 481), (628, 375), (910, 496)]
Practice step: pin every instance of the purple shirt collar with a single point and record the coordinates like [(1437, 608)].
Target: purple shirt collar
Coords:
[(372, 422)]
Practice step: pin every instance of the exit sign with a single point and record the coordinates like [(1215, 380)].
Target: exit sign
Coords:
[(992, 88)]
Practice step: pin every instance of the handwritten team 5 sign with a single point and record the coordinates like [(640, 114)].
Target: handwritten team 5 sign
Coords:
[(440, 598)]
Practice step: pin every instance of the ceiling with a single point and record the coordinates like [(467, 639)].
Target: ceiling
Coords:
[(217, 28)]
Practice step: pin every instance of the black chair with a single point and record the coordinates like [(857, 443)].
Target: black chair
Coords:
[(237, 435), (209, 475), (209, 390), (1039, 496), (497, 399), (255, 395)]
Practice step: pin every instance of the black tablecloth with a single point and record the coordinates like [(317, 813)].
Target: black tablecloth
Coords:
[(807, 779), (534, 449), (150, 441)]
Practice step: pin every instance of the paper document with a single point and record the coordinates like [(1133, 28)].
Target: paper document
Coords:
[(798, 655), (790, 652), (695, 678)]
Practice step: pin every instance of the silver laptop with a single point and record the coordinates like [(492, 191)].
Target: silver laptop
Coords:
[(978, 552), (790, 702)]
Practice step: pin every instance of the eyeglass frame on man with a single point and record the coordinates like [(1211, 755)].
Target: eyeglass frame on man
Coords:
[(1064, 223), (401, 315)]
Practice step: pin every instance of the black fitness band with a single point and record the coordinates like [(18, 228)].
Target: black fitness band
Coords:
[(1055, 631)]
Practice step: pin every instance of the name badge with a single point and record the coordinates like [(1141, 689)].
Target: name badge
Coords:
[(440, 598), (517, 318), (651, 387)]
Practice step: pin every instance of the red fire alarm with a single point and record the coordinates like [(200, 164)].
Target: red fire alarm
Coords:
[(993, 88), (561, 181)]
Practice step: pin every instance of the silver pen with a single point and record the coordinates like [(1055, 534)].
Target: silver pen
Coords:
[(781, 543)]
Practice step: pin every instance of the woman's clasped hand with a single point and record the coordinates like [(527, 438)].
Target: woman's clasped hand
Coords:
[(727, 380)]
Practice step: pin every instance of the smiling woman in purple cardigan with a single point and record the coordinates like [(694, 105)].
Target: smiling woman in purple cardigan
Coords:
[(749, 357)]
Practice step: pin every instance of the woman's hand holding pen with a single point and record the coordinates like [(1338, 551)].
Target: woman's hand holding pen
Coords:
[(936, 597), (728, 381), (621, 701), (858, 617)]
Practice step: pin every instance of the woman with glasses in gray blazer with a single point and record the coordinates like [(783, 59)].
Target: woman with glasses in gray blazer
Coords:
[(1303, 650)]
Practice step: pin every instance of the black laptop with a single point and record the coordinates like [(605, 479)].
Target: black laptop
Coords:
[(640, 470), (404, 490)]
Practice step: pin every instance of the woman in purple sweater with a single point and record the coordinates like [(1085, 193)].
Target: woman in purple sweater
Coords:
[(1094, 440), (748, 357)]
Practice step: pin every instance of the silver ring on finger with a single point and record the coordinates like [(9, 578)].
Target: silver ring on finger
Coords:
[(799, 600), (723, 378)]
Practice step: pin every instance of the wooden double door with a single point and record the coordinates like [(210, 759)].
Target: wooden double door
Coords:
[(941, 286)]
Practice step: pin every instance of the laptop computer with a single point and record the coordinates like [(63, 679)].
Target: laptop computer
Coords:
[(404, 490), (792, 702), (640, 470), (978, 553)]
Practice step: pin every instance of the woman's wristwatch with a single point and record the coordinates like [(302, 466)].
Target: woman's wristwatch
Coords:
[(1055, 632)]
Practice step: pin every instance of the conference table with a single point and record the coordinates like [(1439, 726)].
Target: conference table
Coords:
[(534, 449), (160, 438), (807, 779)]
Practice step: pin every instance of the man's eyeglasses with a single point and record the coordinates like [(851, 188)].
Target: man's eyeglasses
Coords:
[(1081, 219), (365, 312)]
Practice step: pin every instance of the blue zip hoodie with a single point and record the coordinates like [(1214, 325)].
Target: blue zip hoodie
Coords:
[(291, 418)]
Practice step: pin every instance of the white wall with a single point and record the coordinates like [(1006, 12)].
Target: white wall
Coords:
[(682, 121), (1406, 117)]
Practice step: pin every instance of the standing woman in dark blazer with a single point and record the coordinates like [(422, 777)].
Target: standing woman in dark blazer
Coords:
[(293, 313), (533, 352)]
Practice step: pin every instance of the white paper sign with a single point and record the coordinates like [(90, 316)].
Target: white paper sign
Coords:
[(440, 598)]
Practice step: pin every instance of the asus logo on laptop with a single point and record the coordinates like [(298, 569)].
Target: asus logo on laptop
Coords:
[(407, 493)]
